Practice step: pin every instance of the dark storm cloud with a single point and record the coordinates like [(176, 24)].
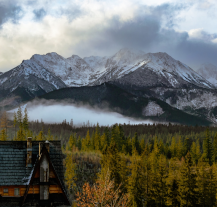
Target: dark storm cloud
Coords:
[(153, 31), (144, 31), (39, 14), (10, 11)]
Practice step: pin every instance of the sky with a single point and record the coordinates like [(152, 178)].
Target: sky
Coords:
[(186, 30)]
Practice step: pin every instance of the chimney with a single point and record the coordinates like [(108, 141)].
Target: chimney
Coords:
[(29, 152)]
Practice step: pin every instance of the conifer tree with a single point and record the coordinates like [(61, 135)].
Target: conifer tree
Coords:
[(3, 135), (20, 135), (88, 141), (215, 148), (159, 187), (135, 184), (111, 162), (180, 148), (193, 152), (20, 117), (103, 142), (142, 145), (49, 135), (207, 148), (25, 120), (4, 121), (172, 199), (70, 172), (187, 146), (135, 144), (206, 184), (15, 124), (97, 144), (147, 176), (173, 147), (187, 183), (40, 136), (72, 141), (79, 144)]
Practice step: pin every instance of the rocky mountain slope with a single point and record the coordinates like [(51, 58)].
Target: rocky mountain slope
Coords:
[(145, 75), (110, 97), (209, 72)]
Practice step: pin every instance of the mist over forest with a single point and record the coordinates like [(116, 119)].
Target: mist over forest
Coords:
[(51, 112)]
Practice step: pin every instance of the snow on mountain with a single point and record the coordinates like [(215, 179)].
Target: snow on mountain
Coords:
[(162, 63), (30, 76), (209, 72), (116, 66), (73, 71), (166, 69), (1, 73)]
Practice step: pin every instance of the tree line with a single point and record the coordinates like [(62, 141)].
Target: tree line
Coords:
[(180, 171)]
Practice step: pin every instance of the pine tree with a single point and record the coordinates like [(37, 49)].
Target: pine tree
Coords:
[(79, 144), (187, 146), (103, 142), (20, 117), (40, 136), (135, 144), (20, 135), (4, 122), (72, 141), (97, 144), (135, 183), (173, 147), (3, 135), (193, 152), (187, 183), (25, 120), (88, 141), (172, 184), (206, 184), (15, 124), (180, 148), (147, 177), (159, 187), (49, 135), (215, 148), (111, 162), (70, 172), (207, 148)]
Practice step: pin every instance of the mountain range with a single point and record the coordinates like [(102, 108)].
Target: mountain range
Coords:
[(155, 79)]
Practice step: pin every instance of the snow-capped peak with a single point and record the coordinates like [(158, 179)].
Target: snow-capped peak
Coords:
[(209, 72), (127, 56)]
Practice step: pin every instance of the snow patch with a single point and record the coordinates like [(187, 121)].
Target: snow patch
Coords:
[(152, 109)]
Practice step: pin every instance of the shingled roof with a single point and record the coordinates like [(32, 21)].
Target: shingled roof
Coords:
[(13, 170)]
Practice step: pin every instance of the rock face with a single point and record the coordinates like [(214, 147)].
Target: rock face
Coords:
[(209, 72)]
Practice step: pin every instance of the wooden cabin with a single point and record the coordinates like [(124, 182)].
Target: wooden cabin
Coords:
[(31, 174)]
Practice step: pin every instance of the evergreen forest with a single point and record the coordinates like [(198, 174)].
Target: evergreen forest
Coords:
[(129, 165)]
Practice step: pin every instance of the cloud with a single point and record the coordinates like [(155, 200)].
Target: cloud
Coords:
[(9, 10), (51, 112), (39, 13), (92, 27)]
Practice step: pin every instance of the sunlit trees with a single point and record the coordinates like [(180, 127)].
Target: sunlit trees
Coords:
[(102, 193)]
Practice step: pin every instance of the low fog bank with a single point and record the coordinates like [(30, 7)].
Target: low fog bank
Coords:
[(51, 112)]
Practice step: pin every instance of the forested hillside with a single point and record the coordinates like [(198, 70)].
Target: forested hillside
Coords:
[(130, 165)]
